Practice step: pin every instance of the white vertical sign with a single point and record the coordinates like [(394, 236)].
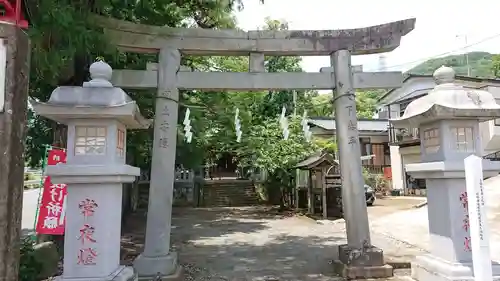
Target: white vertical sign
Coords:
[(3, 68), (479, 232)]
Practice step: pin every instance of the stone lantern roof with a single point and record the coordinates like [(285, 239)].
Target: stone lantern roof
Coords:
[(97, 99), (449, 100)]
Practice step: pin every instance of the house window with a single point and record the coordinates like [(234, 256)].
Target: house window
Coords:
[(302, 178), (90, 141), (403, 105), (120, 143), (497, 122), (463, 139), (431, 140)]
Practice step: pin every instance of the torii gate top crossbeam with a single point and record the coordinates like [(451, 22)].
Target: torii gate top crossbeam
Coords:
[(196, 41)]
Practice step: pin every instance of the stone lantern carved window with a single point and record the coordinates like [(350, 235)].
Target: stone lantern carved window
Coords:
[(90, 140), (120, 143), (430, 140), (462, 139)]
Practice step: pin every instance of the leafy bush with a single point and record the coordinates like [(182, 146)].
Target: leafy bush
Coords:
[(380, 184), (30, 176), (29, 267)]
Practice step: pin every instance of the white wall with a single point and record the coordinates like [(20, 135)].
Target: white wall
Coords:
[(490, 134), (400, 157), (396, 168)]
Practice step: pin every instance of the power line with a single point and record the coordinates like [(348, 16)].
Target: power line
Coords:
[(443, 54)]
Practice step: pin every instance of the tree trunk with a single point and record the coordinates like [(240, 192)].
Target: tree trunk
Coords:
[(282, 197), (13, 111)]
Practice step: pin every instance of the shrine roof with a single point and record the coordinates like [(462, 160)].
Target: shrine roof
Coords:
[(317, 159)]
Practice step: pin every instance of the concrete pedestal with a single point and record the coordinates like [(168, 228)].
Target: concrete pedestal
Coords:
[(123, 273), (432, 268), (451, 257), (163, 267), (365, 263), (93, 221)]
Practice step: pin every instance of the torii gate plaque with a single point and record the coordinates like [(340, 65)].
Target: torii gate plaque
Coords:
[(357, 259)]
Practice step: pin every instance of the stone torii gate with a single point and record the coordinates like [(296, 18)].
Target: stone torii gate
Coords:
[(358, 258)]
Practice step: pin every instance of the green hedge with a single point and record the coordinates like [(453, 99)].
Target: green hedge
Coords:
[(29, 267)]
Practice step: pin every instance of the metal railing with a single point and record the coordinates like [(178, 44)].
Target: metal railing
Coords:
[(38, 174), (376, 169), (247, 172), (400, 135), (495, 156)]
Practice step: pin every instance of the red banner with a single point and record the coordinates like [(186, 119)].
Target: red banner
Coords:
[(51, 214)]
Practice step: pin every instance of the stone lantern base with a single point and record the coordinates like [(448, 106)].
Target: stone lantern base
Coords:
[(369, 263), (123, 273), (446, 181), (162, 268), (431, 268)]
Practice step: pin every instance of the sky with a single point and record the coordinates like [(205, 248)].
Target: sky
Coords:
[(443, 26)]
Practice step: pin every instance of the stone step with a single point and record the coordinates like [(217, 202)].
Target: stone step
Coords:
[(229, 194)]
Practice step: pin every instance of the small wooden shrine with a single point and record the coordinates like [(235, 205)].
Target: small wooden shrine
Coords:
[(318, 185)]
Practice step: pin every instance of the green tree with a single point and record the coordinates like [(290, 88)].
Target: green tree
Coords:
[(480, 64), (495, 65), (327, 145), (65, 41), (320, 105), (214, 122), (274, 100), (264, 147), (366, 102)]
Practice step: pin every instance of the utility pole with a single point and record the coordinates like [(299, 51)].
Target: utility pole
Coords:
[(294, 103), (14, 78), (466, 54)]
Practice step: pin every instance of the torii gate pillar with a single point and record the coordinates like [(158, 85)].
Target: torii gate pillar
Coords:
[(157, 260), (358, 258)]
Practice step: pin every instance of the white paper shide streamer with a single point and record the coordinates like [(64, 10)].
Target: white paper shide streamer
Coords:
[(237, 125), (284, 124), (188, 135), (305, 127)]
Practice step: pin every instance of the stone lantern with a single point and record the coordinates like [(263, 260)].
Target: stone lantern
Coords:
[(98, 116), (448, 119)]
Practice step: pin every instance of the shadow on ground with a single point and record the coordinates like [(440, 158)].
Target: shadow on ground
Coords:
[(242, 244)]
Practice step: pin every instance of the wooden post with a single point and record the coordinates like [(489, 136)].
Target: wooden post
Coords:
[(14, 76)]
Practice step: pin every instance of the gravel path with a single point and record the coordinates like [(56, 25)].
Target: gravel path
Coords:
[(258, 244)]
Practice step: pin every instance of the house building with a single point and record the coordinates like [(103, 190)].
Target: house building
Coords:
[(405, 143), (373, 139)]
